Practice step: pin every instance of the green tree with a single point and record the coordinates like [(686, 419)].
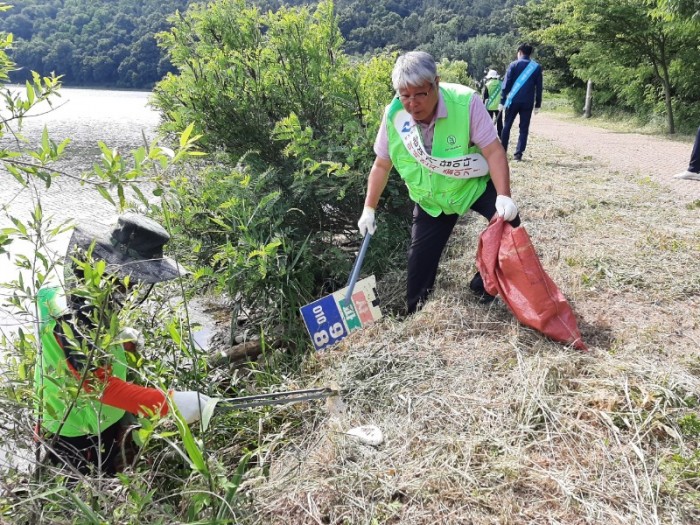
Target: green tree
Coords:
[(485, 52), (21, 25), (685, 9), (621, 45)]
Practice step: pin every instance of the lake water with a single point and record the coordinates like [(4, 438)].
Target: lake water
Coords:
[(121, 119)]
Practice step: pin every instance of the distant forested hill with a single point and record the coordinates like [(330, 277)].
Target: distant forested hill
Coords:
[(368, 25), (407, 24), (90, 42), (110, 42)]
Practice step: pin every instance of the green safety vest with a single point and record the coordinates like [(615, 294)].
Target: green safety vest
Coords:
[(53, 380), (494, 88), (433, 192)]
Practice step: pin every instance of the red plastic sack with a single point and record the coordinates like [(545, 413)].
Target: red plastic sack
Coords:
[(510, 268)]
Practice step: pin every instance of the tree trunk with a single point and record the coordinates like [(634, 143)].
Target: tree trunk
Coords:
[(666, 83), (667, 96)]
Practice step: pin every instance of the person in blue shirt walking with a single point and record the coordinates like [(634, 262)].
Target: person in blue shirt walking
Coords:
[(521, 93)]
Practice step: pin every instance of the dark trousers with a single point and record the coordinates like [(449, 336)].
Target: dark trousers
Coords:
[(106, 453), (498, 115), (525, 114), (694, 165), (429, 236)]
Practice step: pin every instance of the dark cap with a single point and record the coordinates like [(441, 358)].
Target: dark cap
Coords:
[(133, 247)]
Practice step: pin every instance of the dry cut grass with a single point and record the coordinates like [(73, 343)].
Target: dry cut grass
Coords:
[(486, 421)]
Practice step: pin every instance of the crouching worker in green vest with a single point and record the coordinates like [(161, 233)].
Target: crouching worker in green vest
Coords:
[(442, 142), (82, 396)]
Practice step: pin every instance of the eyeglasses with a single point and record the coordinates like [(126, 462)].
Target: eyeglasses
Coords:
[(419, 97)]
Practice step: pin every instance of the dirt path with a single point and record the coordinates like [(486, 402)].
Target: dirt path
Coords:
[(659, 158)]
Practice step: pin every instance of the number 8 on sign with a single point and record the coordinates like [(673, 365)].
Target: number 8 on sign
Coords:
[(321, 339), (324, 322)]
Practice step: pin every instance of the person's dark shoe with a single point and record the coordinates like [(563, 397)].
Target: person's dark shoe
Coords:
[(477, 287), (518, 157)]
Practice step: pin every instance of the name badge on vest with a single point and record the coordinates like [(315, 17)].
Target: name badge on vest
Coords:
[(464, 167)]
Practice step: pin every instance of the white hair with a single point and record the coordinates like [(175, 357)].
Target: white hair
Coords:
[(414, 68)]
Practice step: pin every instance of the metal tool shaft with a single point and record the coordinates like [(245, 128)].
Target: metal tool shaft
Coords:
[(356, 269), (276, 398)]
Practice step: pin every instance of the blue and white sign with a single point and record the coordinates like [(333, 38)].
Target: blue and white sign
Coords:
[(324, 322), (328, 322)]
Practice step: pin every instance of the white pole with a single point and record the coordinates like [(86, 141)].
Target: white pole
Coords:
[(589, 96)]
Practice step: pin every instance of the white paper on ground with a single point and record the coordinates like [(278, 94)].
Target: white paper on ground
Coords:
[(368, 434)]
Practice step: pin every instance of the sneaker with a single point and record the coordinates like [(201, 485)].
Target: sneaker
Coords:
[(518, 157), (477, 286), (688, 175)]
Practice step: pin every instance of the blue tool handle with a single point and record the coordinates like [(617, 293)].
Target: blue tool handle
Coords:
[(356, 269)]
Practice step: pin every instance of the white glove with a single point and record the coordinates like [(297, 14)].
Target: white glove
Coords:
[(131, 338), (537, 110), (506, 208), (500, 107), (366, 223), (190, 404)]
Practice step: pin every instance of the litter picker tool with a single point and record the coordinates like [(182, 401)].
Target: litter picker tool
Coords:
[(277, 398), (334, 316), (262, 400)]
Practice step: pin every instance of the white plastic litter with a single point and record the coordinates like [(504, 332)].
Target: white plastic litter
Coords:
[(368, 434)]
